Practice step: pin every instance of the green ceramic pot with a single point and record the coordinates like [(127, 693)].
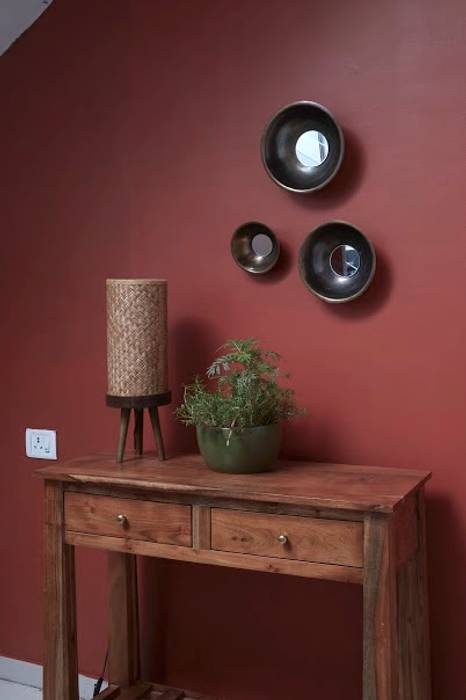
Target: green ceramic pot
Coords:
[(240, 450)]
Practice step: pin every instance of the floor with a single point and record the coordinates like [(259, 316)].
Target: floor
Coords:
[(12, 691)]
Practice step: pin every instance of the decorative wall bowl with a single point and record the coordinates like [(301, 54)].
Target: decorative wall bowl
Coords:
[(337, 262), (302, 147), (254, 247)]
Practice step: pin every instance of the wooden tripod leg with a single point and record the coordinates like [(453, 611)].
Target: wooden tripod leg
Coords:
[(154, 418), (124, 422), (138, 430)]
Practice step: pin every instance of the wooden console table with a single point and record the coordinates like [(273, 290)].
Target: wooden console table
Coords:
[(356, 524)]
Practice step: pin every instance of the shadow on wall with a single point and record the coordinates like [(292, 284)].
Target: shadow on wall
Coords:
[(446, 627), (321, 438), (250, 639), (154, 619), (192, 341)]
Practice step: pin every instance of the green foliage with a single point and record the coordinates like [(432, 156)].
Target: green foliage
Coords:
[(244, 392)]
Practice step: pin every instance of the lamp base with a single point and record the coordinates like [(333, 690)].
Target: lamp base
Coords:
[(138, 404)]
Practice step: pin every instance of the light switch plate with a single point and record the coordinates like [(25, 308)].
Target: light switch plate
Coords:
[(41, 444)]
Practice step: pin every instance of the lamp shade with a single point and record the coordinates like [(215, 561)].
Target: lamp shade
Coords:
[(137, 361)]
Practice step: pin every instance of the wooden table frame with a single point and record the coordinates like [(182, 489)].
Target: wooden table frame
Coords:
[(383, 508)]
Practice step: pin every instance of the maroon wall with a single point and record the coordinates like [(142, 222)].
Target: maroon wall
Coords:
[(130, 135)]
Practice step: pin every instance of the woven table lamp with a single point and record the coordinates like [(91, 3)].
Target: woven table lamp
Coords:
[(137, 360)]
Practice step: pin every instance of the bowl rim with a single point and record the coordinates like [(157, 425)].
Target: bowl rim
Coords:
[(360, 292), (285, 108)]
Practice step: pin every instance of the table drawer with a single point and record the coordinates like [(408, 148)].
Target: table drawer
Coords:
[(165, 523), (288, 537)]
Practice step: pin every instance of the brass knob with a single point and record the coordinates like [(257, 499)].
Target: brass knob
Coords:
[(283, 539), (122, 520)]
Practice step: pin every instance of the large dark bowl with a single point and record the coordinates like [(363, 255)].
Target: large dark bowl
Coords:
[(253, 258), (278, 147), (316, 269)]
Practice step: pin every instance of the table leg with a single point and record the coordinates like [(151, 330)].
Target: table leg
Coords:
[(123, 646), (61, 659), (396, 611), (413, 617), (380, 671)]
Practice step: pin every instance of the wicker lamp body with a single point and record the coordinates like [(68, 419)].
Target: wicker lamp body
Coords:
[(137, 357)]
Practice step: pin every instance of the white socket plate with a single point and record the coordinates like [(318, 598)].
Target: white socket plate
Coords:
[(41, 443)]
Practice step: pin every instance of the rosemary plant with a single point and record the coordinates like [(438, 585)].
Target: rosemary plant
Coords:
[(241, 390)]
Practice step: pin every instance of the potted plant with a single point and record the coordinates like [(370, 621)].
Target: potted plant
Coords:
[(238, 411)]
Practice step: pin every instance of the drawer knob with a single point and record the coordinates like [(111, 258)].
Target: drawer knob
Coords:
[(283, 539), (122, 520)]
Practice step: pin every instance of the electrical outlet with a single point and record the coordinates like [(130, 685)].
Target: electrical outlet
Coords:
[(41, 444)]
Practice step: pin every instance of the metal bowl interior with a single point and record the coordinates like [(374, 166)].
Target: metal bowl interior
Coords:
[(280, 142), (255, 248), (315, 262)]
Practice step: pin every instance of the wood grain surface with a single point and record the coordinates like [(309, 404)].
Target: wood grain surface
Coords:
[(413, 618), (201, 527), (123, 628), (60, 662), (348, 487), (362, 525), (166, 523), (273, 565), (380, 676), (308, 539)]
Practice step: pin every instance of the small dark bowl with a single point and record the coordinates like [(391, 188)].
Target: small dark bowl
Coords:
[(258, 257), (316, 258), (278, 147)]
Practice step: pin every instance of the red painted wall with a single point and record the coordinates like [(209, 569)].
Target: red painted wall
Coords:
[(130, 136)]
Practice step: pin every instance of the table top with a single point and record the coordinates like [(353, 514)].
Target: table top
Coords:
[(318, 485)]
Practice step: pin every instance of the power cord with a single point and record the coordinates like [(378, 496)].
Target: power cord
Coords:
[(100, 680)]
